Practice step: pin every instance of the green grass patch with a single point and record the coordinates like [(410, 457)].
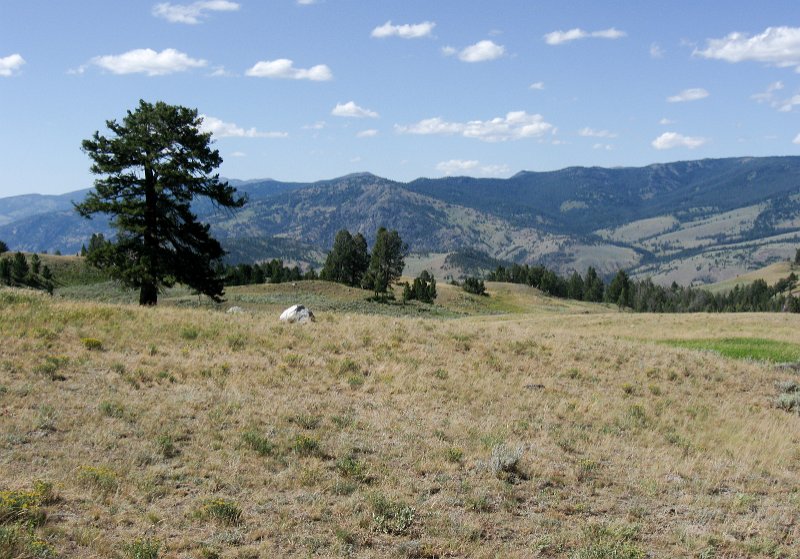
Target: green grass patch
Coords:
[(759, 349)]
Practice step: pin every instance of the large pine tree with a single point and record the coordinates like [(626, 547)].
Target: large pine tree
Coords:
[(151, 169)]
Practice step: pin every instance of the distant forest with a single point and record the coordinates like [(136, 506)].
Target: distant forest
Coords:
[(645, 296)]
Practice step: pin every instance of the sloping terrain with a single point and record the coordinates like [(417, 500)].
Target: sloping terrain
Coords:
[(521, 426), (694, 221)]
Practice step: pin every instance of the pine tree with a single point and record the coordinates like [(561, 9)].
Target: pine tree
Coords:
[(386, 262), (155, 163)]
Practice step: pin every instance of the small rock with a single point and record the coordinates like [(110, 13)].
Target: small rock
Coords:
[(235, 310)]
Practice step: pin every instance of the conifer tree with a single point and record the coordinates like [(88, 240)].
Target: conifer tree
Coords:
[(152, 167)]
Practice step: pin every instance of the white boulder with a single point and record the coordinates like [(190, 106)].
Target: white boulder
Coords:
[(297, 313)]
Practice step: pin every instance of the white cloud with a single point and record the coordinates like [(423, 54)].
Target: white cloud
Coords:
[(560, 37), (319, 125), (783, 105), (669, 140), (591, 133), (455, 166), (192, 13), (406, 31), (449, 51), (482, 51), (371, 133), (656, 51), (350, 109), (221, 129), (238, 154), (283, 68), (538, 86), (306, 2), (796, 139), (516, 125), (470, 167), (779, 46), (607, 147), (665, 121), (692, 94), (10, 65), (148, 61)]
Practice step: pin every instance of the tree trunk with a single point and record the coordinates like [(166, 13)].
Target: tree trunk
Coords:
[(148, 294)]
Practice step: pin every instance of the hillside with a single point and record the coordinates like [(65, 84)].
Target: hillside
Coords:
[(691, 222), (520, 426)]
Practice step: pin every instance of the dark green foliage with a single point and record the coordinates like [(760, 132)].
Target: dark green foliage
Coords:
[(423, 288), (619, 290), (386, 262), (3, 247), (152, 168), (16, 271), (19, 269), (348, 260), (273, 271), (474, 285), (796, 256)]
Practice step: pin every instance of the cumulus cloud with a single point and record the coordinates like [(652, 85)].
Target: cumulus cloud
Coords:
[(10, 65), (560, 37), (455, 166), (283, 68), (479, 52), (591, 133), (538, 86), (516, 125), (669, 140), (371, 133), (796, 139), (768, 96), (222, 129), (606, 147), (193, 13), (306, 2), (470, 167), (778, 46), (405, 31), (148, 61), (665, 121), (656, 51), (351, 110), (692, 94)]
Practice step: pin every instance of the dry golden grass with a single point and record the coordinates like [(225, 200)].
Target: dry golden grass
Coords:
[(363, 435)]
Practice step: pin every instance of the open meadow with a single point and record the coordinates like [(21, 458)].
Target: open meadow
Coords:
[(513, 425)]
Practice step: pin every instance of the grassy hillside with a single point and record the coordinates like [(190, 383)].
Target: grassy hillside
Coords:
[(771, 274), (521, 427)]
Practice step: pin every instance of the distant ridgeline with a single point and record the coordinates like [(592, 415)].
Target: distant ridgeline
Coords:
[(645, 296)]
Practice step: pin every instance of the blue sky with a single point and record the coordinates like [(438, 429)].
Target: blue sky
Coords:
[(302, 90)]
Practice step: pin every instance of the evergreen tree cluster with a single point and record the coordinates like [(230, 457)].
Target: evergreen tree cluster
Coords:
[(422, 289), (646, 296), (350, 263), (474, 285), (273, 271), (18, 272), (588, 288)]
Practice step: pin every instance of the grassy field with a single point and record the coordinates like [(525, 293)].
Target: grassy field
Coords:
[(513, 425)]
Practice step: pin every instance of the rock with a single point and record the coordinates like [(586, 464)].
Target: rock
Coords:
[(235, 310), (297, 313)]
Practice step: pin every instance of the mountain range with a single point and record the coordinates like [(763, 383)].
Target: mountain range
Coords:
[(687, 221)]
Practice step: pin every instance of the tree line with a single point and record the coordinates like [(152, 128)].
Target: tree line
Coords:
[(645, 296), (17, 271)]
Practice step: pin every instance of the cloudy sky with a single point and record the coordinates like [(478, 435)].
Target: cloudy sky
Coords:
[(302, 90)]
